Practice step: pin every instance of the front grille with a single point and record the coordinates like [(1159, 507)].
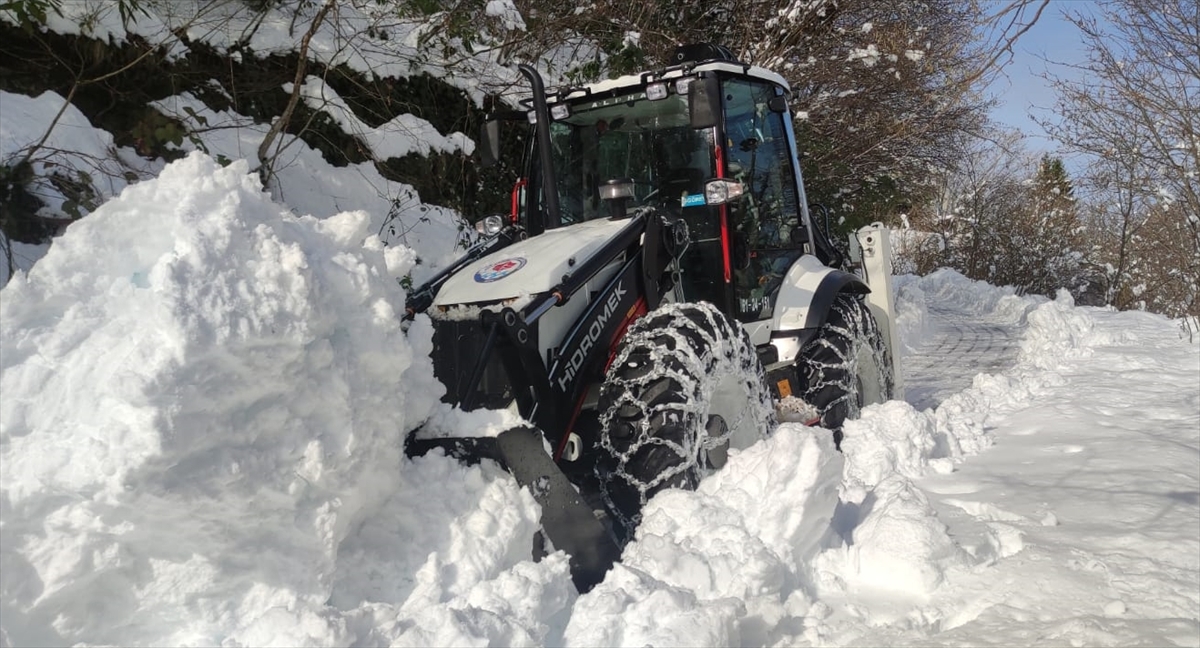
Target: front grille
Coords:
[(457, 347)]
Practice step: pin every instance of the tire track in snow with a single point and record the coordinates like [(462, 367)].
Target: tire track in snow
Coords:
[(959, 346)]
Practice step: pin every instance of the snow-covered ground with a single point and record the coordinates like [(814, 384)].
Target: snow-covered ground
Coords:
[(203, 397)]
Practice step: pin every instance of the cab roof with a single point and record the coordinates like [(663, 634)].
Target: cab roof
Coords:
[(642, 79)]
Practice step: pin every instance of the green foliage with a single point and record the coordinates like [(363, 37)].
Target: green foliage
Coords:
[(1052, 179), (625, 58), (34, 12), (154, 131), (129, 9), (1000, 223), (452, 28), (259, 6), (31, 13), (79, 193)]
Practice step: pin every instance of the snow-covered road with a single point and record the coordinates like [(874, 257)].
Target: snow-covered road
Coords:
[(954, 349), (1083, 520), (203, 399)]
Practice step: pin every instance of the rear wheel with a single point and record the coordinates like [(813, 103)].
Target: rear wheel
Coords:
[(684, 387), (846, 366)]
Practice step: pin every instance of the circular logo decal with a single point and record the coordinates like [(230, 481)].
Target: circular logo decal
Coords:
[(500, 270)]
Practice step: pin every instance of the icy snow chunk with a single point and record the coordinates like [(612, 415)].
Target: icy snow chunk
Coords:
[(631, 608), (868, 55), (402, 135), (72, 149), (889, 438), (898, 546), (1058, 331)]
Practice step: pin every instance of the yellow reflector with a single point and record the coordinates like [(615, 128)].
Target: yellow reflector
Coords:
[(785, 388)]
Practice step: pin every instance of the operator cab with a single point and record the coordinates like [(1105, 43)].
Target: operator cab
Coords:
[(708, 139)]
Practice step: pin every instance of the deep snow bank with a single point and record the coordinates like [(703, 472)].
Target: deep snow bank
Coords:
[(203, 396)]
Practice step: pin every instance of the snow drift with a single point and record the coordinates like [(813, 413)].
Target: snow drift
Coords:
[(204, 395)]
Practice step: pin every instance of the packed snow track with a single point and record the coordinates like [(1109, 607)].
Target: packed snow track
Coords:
[(956, 347)]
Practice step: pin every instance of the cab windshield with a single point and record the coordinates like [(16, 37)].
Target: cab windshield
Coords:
[(650, 143)]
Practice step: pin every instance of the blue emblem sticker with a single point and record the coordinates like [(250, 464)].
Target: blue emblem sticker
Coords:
[(693, 200), (499, 270)]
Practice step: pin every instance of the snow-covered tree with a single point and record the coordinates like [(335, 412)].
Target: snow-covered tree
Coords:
[(1004, 217), (1133, 110), (880, 89)]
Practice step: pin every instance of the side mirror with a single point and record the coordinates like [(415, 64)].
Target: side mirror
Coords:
[(704, 101), (489, 143)]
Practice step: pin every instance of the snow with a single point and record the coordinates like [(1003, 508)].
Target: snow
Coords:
[(308, 183), (507, 13), (869, 55), (200, 435), (305, 180), (204, 393), (368, 37), (232, 391), (24, 256), (71, 143), (398, 137)]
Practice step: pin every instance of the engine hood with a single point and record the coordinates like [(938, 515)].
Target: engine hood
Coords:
[(528, 267)]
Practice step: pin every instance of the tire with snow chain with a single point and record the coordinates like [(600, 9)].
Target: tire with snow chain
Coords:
[(685, 386), (846, 366)]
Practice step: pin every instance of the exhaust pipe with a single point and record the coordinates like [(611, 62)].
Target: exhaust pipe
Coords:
[(552, 216)]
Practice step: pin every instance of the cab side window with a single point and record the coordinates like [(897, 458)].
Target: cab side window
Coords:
[(768, 237), (757, 155)]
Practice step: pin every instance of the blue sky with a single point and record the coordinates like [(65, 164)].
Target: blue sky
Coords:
[(1021, 91)]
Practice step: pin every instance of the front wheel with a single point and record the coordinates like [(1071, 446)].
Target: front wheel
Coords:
[(846, 366), (684, 387)]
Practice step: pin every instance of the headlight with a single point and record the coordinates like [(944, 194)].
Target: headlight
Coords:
[(490, 225), (722, 190)]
